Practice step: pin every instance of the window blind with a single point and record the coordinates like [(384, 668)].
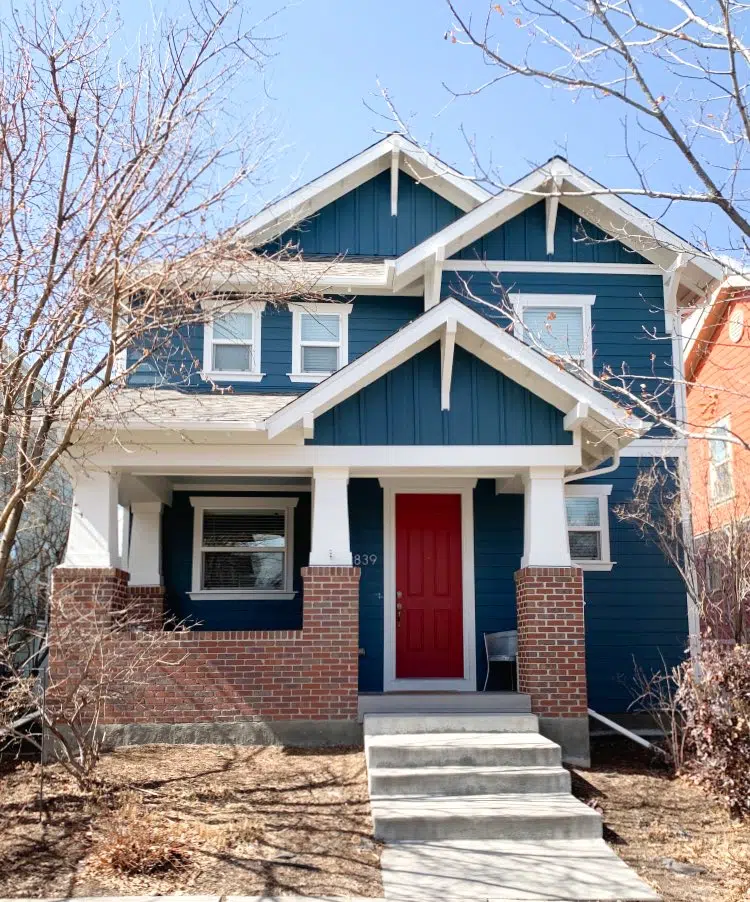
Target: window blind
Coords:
[(243, 529), (233, 327), (325, 327), (557, 329), (319, 360)]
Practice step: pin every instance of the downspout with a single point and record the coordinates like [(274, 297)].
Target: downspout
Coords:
[(602, 471)]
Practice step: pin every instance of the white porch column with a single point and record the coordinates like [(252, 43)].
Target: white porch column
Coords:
[(145, 544), (93, 537), (329, 545), (545, 526)]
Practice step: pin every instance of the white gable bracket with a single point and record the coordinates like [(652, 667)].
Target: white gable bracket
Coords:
[(447, 352), (394, 181), (308, 426), (671, 286), (552, 204), (433, 278)]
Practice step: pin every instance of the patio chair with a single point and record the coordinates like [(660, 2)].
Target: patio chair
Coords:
[(501, 646)]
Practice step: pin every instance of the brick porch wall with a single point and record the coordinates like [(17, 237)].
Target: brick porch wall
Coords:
[(551, 640), (307, 674)]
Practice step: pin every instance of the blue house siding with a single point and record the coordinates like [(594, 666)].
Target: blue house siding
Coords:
[(366, 536), (371, 321), (524, 238), (403, 408), (635, 613), (228, 614), (627, 318), (360, 224)]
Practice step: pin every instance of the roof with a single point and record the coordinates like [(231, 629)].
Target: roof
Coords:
[(605, 425), (164, 408), (461, 190), (585, 196)]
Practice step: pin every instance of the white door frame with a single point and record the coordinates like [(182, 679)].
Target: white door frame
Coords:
[(428, 486)]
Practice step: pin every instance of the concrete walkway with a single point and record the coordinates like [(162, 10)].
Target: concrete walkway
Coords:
[(478, 806)]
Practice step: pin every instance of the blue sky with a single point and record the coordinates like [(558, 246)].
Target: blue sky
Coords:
[(331, 53)]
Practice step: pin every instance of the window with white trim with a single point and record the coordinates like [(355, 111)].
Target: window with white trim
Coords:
[(721, 484), (320, 340), (242, 547), (587, 512), (558, 324), (231, 350)]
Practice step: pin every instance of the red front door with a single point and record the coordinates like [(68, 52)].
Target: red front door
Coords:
[(429, 597)]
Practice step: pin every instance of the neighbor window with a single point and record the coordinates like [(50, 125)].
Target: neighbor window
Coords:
[(721, 486), (232, 344), (557, 324), (320, 340), (242, 547), (586, 508)]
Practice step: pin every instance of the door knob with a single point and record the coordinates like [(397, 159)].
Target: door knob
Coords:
[(399, 594)]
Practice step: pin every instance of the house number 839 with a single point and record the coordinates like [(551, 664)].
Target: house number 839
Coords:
[(364, 560)]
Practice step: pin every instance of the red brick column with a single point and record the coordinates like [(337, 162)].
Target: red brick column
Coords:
[(551, 640), (331, 626), (146, 606)]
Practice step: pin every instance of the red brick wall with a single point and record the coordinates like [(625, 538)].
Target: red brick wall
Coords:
[(551, 640), (308, 674)]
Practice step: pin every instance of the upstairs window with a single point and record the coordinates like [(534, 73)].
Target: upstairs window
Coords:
[(232, 345), (320, 340), (557, 324), (242, 547), (587, 511), (721, 485)]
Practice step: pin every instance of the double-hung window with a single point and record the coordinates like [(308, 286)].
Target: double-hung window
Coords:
[(721, 485), (320, 340), (587, 511), (557, 324), (232, 343), (242, 547)]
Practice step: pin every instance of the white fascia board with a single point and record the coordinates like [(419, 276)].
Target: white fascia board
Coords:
[(609, 212), (479, 336), (416, 162)]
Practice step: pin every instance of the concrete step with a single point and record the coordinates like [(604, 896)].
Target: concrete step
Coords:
[(529, 817), (397, 724), (467, 781), (461, 750), (509, 870), (444, 703)]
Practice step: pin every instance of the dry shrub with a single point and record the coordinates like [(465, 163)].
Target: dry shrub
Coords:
[(137, 841), (715, 702)]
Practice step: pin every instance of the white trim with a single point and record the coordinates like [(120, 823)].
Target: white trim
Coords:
[(145, 544), (394, 181), (582, 302), (655, 447), (584, 196), (202, 503), (485, 340), (255, 310), (240, 487), (601, 493), (551, 205), (723, 423), (549, 266), (421, 165), (464, 488), (299, 308)]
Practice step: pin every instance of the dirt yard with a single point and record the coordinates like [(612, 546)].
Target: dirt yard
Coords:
[(662, 826), (212, 819)]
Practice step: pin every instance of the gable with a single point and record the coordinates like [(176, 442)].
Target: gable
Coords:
[(403, 408), (523, 238), (359, 224)]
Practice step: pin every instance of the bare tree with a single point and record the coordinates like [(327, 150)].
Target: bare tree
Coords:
[(122, 180), (679, 67)]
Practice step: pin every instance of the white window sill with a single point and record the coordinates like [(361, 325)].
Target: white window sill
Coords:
[(308, 377), (717, 502), (234, 595), (226, 376), (594, 565)]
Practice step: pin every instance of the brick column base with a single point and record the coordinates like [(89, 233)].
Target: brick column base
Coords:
[(146, 606), (552, 654)]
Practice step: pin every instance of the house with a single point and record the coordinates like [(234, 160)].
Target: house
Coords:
[(399, 469), (717, 361)]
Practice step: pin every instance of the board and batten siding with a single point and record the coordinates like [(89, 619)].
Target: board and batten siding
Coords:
[(371, 321), (229, 613), (524, 237), (403, 408), (360, 223)]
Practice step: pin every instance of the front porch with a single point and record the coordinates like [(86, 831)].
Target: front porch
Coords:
[(310, 626)]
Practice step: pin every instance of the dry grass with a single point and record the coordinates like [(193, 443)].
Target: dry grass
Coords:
[(650, 818), (197, 819)]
